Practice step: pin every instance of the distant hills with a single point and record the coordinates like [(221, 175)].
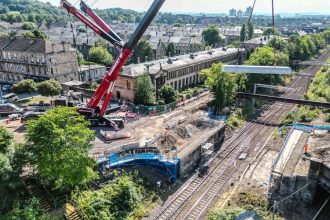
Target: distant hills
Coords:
[(14, 11)]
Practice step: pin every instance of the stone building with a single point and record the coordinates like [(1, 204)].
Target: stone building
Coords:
[(89, 73), (178, 72), (37, 59)]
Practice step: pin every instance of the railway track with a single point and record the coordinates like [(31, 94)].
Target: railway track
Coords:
[(197, 195)]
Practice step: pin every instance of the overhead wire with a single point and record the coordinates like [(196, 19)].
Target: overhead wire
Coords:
[(273, 206), (321, 209)]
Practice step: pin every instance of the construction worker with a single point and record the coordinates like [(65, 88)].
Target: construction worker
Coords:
[(305, 149)]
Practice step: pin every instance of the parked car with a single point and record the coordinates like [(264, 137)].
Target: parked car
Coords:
[(28, 116), (6, 88), (12, 97), (8, 109)]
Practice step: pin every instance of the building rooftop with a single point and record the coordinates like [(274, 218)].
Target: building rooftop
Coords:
[(88, 67), (134, 70), (259, 40), (34, 45)]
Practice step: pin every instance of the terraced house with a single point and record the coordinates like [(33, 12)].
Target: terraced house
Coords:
[(38, 59)]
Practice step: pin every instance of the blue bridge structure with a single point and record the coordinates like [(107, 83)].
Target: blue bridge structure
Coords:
[(168, 167)]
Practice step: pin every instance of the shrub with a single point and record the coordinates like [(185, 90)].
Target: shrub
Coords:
[(327, 117), (124, 198), (225, 214)]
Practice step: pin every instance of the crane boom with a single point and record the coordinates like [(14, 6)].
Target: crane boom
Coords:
[(101, 28)]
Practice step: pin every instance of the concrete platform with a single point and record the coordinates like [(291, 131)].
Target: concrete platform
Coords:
[(287, 150)]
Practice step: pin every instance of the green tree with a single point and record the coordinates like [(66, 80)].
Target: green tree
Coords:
[(242, 37), (30, 210), (168, 94), (142, 51), (170, 50), (58, 144), (49, 88), (27, 85), (32, 18), (11, 185), (145, 94), (319, 41), (250, 31), (212, 36), (29, 26), (279, 43), (121, 199), (225, 214), (224, 85), (326, 36), (36, 33), (264, 56), (49, 21), (12, 17), (100, 55), (269, 31)]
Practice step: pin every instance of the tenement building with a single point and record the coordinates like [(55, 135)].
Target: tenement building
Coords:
[(37, 59), (178, 72)]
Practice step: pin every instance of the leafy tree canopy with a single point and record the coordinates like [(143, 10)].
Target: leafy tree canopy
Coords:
[(36, 33), (122, 199), (49, 88), (27, 85), (142, 51), (250, 31), (168, 94), (212, 36), (28, 10), (242, 37), (224, 85), (58, 144), (145, 94), (170, 50), (29, 26), (29, 210), (100, 55), (10, 169), (264, 56)]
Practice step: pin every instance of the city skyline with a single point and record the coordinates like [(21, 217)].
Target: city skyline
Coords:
[(215, 6)]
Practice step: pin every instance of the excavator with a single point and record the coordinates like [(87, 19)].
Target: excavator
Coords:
[(96, 108)]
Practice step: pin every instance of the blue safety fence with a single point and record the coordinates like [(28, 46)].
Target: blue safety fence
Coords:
[(168, 168), (309, 128), (216, 117)]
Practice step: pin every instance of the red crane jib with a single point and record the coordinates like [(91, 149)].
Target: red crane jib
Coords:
[(108, 82), (101, 28)]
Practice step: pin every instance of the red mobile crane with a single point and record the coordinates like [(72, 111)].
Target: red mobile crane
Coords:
[(94, 112)]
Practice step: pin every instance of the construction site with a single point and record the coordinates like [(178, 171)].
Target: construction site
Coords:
[(186, 133), (172, 151)]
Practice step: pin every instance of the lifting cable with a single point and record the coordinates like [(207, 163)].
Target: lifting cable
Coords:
[(273, 22), (273, 26)]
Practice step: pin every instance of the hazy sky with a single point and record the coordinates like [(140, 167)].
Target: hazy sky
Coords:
[(217, 6)]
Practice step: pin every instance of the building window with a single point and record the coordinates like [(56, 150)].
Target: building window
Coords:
[(128, 84), (51, 70)]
